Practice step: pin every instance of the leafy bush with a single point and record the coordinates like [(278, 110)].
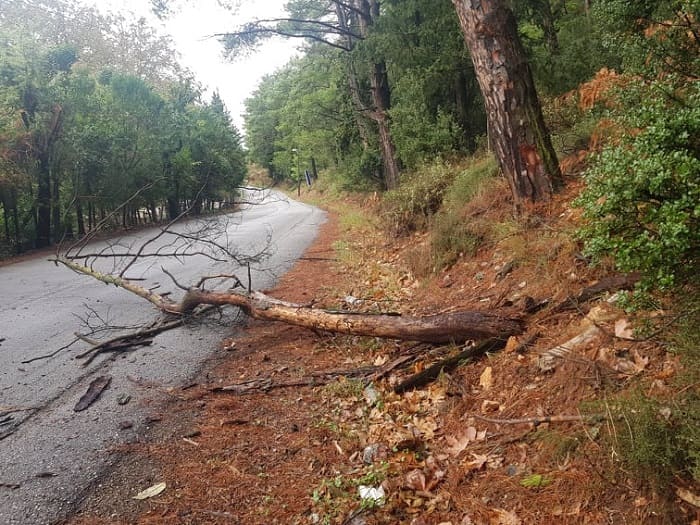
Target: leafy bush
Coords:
[(452, 233), (650, 37), (642, 201), (416, 132), (451, 237), (419, 196)]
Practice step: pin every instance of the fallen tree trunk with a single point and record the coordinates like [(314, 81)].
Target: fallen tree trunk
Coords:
[(442, 328), (455, 327)]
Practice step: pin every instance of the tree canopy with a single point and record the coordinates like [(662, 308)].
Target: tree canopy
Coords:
[(95, 111)]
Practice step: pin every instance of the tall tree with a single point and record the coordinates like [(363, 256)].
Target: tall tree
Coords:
[(341, 25), (517, 129)]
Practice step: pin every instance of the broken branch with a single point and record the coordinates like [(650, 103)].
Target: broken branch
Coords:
[(455, 327), (538, 420), (433, 372)]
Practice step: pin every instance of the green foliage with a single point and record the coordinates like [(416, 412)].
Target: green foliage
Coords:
[(419, 133), (565, 43), (642, 200), (470, 181), (652, 37), (334, 496), (80, 133), (452, 235), (418, 198), (660, 440), (535, 481), (321, 103)]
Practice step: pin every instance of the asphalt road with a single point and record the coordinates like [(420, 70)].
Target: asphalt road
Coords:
[(51, 455)]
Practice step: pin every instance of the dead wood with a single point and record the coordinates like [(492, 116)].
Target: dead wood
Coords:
[(611, 283), (433, 372), (316, 379), (455, 327), (538, 420), (97, 386), (124, 342), (267, 384)]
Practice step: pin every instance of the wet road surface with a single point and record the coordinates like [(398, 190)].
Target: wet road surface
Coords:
[(50, 455)]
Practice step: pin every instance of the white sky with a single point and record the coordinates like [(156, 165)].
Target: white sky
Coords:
[(198, 19)]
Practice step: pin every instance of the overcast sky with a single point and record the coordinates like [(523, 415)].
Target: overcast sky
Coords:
[(190, 28)]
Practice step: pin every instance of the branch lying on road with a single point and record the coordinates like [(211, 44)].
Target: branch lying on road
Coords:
[(455, 327)]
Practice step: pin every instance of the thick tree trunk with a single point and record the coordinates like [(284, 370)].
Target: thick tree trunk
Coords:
[(455, 327), (520, 137), (365, 13)]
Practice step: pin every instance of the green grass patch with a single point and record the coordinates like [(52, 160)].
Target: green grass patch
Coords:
[(658, 438), (453, 233)]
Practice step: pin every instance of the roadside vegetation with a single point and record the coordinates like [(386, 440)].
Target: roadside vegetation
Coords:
[(619, 88), (100, 128), (591, 416)]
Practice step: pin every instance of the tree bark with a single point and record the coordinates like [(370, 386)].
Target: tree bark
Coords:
[(455, 327), (364, 13), (381, 97), (520, 138), (57, 227), (44, 143)]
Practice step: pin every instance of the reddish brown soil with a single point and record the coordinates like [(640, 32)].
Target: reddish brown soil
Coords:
[(294, 455)]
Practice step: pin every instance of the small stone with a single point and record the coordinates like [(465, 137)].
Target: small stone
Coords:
[(505, 270), (192, 433), (123, 399), (511, 470), (124, 425), (512, 344), (486, 378), (371, 395), (445, 282), (479, 276)]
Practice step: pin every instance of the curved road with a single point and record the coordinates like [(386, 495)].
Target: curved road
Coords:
[(49, 454)]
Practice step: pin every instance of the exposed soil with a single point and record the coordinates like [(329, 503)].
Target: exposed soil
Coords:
[(451, 452)]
